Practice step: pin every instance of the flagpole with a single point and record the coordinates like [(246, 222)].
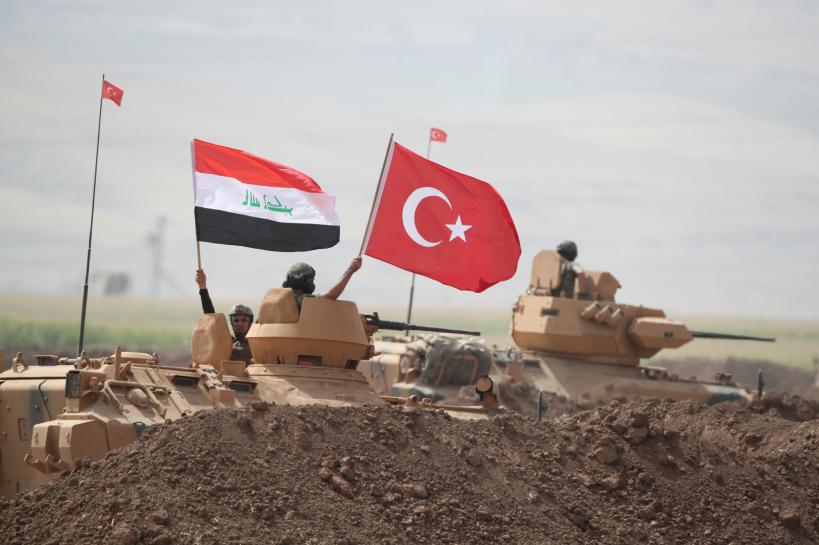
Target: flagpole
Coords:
[(376, 196), (195, 225), (91, 227), (412, 284)]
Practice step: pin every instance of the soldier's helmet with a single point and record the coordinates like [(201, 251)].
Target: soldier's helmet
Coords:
[(301, 277), (567, 250), (240, 309)]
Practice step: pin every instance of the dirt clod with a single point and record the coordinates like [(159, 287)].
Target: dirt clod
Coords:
[(606, 454), (790, 519), (123, 534), (259, 406), (160, 517)]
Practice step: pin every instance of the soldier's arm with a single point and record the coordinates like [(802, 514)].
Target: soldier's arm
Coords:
[(336, 291), (201, 281)]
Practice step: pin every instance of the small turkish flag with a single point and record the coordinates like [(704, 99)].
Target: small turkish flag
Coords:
[(112, 92), (441, 224), (437, 135)]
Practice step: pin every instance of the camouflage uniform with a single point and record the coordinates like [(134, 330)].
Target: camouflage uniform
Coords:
[(568, 276), (241, 351), (569, 270), (300, 297)]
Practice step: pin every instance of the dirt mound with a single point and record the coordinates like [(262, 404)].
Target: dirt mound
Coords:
[(647, 471), (522, 398), (777, 377)]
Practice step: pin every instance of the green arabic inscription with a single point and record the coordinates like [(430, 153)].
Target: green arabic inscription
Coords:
[(273, 206)]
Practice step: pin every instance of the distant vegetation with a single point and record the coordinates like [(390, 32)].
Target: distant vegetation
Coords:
[(51, 324)]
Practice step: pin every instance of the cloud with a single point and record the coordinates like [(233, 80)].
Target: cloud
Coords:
[(672, 143)]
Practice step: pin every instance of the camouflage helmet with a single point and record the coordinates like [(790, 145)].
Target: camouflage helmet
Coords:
[(567, 250), (240, 309), (300, 277)]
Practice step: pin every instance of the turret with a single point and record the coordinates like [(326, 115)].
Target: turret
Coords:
[(325, 333), (592, 325)]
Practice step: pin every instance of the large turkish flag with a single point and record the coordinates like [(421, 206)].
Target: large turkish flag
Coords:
[(442, 224)]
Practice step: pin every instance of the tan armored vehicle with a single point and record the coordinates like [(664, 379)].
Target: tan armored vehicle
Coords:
[(57, 411), (434, 367), (588, 346)]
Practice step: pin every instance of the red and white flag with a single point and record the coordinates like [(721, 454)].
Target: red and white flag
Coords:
[(442, 224), (437, 135), (244, 200), (112, 92)]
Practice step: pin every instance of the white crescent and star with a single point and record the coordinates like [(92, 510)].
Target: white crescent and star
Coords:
[(457, 229)]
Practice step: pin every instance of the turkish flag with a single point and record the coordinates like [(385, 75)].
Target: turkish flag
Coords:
[(437, 135), (441, 224), (112, 92)]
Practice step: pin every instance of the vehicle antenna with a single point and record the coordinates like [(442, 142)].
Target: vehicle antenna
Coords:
[(91, 227)]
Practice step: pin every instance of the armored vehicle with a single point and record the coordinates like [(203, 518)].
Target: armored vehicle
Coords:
[(434, 367), (588, 346), (59, 411)]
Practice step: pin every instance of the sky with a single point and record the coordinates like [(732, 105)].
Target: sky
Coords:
[(676, 142)]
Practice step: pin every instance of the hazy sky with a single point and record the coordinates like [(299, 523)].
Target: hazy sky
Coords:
[(676, 142)]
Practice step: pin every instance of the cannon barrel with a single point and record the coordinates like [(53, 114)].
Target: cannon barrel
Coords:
[(374, 320), (712, 335)]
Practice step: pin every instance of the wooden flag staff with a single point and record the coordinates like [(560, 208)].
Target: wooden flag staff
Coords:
[(195, 225), (377, 195)]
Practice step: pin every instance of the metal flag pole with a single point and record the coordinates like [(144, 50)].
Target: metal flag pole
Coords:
[(91, 227), (377, 196), (412, 284)]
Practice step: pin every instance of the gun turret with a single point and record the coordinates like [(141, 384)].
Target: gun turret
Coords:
[(593, 326), (375, 321), (712, 335)]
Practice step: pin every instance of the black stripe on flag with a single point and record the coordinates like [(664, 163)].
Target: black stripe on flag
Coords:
[(222, 227)]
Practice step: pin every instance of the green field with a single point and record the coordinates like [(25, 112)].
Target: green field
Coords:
[(37, 322)]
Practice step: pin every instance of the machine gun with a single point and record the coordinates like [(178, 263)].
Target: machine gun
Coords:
[(712, 335), (375, 321)]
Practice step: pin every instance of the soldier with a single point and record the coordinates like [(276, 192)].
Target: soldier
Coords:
[(569, 270), (241, 316), (301, 276)]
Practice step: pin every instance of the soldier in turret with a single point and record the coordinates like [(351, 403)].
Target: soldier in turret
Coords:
[(569, 270), (241, 316), (301, 276)]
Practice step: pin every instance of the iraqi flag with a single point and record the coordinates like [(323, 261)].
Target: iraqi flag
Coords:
[(244, 200)]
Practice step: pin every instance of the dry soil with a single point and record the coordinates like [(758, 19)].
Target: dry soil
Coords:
[(633, 472)]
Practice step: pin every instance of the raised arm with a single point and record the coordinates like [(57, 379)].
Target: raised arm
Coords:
[(336, 291), (202, 282)]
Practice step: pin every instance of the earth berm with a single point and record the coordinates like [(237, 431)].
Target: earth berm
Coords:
[(632, 472)]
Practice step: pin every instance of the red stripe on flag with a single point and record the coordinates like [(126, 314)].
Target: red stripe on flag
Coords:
[(248, 168)]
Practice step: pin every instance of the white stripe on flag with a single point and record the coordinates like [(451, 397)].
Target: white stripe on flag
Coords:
[(282, 204)]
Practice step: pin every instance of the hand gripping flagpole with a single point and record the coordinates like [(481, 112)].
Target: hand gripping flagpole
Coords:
[(377, 197), (90, 228), (412, 284)]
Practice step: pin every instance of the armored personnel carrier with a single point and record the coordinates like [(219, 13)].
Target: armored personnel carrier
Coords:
[(435, 367), (59, 411), (588, 347)]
